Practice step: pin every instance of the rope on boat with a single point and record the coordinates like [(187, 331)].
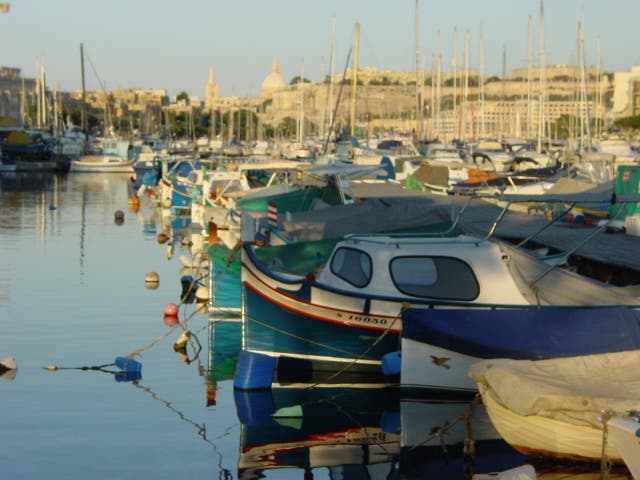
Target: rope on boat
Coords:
[(605, 463), (297, 337), (441, 431), (404, 306)]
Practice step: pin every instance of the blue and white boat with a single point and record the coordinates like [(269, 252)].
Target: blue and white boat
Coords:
[(440, 345)]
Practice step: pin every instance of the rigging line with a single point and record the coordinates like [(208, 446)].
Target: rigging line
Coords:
[(359, 357), (163, 336), (335, 110), (448, 425), (201, 429), (298, 337)]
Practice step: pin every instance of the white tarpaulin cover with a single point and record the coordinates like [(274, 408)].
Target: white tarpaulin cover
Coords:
[(575, 389)]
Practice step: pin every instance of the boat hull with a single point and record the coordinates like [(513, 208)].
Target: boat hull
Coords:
[(313, 337), (439, 346), (535, 435)]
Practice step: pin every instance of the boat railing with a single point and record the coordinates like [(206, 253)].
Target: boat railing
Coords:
[(572, 199)]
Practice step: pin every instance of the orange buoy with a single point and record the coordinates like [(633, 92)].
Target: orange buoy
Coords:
[(162, 237), (171, 309), (170, 320)]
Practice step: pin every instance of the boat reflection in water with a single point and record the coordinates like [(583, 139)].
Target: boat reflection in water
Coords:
[(351, 431), (365, 432)]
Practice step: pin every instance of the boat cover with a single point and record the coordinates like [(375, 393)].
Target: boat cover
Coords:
[(366, 216), (525, 333), (575, 390), (558, 286)]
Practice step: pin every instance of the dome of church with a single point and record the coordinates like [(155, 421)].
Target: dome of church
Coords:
[(273, 82)]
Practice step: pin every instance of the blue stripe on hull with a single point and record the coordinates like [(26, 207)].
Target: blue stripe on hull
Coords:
[(536, 333), (271, 328)]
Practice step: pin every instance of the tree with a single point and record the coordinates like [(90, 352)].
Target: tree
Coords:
[(295, 80), (183, 96), (632, 122), (287, 127)]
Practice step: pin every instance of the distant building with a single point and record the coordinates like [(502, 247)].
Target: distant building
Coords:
[(274, 82), (16, 93), (211, 91), (626, 97)]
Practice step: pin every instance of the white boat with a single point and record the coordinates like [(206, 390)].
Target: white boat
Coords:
[(555, 407), (102, 163), (108, 156)]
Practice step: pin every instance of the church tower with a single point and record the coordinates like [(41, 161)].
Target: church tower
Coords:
[(211, 93)]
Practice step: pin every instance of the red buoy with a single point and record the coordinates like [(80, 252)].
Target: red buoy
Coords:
[(171, 309), (170, 320)]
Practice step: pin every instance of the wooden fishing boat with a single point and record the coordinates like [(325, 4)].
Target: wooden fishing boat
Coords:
[(555, 407)]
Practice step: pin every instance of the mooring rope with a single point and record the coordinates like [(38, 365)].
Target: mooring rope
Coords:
[(441, 431), (605, 464), (298, 337)]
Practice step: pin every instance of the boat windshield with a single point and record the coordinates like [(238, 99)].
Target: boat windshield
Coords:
[(444, 278), (352, 266)]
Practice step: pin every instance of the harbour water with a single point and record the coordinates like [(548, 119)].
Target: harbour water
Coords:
[(73, 296)]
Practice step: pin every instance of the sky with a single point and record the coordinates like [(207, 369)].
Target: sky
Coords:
[(159, 44)]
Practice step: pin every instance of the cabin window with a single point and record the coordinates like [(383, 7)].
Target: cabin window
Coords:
[(444, 278), (352, 266)]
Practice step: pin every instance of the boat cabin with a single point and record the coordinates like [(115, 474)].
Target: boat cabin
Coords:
[(455, 269)]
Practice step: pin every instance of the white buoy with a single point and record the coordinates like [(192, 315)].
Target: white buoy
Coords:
[(152, 280), (166, 202), (8, 368), (9, 363), (202, 294), (152, 277)]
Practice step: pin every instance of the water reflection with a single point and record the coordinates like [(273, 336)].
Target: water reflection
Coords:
[(339, 429), (362, 431)]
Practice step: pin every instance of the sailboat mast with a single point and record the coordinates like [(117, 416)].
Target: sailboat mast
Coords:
[(331, 68), (419, 82), (529, 77), (354, 80), (455, 73), (466, 83), (586, 117), (481, 82), (83, 111), (542, 75)]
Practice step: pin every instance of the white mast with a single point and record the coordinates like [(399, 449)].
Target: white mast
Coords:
[(542, 75), (301, 106), (466, 84), (585, 118), (419, 79), (331, 69), (354, 80), (481, 82), (529, 78), (454, 63), (600, 115)]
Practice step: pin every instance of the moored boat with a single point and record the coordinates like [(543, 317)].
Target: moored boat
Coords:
[(344, 310), (102, 163), (555, 407)]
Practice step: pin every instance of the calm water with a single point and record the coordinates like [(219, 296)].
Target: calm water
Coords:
[(72, 294)]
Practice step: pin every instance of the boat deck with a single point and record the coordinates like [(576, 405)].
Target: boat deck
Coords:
[(610, 257)]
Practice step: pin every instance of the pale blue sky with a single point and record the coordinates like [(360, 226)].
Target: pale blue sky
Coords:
[(162, 44)]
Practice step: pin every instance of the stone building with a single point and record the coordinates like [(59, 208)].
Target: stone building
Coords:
[(386, 102), (626, 97), (16, 93), (211, 91)]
